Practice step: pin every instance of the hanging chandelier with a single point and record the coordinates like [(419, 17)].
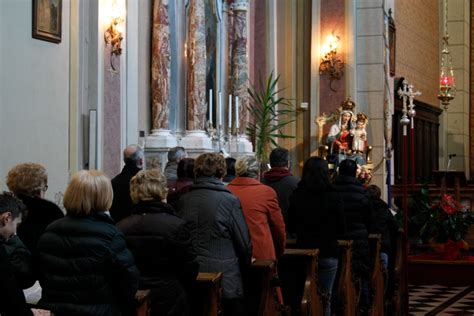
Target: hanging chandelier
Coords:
[(447, 86)]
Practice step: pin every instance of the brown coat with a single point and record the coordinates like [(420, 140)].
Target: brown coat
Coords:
[(263, 216)]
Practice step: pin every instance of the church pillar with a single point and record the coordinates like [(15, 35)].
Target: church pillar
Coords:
[(160, 66), (228, 20), (240, 77), (160, 138), (240, 74), (196, 140)]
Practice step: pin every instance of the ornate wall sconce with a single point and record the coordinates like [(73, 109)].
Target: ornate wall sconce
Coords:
[(113, 35), (330, 63)]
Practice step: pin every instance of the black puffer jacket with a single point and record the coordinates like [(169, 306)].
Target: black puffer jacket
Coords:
[(219, 232), (85, 267), (12, 299), (21, 260), (41, 213), (359, 219), (161, 245)]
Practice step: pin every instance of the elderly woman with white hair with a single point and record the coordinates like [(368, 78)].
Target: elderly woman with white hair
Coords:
[(263, 215)]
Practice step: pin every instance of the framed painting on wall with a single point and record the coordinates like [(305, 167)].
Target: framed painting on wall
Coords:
[(392, 38), (47, 20)]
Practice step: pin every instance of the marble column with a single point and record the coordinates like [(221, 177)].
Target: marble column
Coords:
[(160, 66), (160, 138), (229, 26), (196, 60), (196, 140), (240, 78)]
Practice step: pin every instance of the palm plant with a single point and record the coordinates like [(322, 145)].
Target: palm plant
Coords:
[(270, 113)]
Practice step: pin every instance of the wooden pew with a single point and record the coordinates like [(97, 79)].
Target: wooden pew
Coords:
[(259, 292), (396, 300), (377, 279), (298, 272), (142, 300), (347, 296), (206, 295)]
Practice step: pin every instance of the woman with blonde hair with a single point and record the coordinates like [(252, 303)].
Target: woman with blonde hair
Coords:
[(29, 182), (160, 243), (85, 267)]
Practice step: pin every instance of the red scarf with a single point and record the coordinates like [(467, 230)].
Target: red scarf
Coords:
[(276, 173)]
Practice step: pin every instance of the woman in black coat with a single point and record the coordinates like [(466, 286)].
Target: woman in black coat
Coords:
[(29, 182), (160, 243), (316, 215), (85, 267)]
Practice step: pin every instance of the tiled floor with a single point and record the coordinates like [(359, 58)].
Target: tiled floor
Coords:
[(441, 300)]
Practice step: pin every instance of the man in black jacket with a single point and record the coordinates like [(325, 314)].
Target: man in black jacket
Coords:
[(122, 203), (15, 260), (279, 177), (359, 219)]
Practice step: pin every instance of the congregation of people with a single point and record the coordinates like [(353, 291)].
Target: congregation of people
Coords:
[(148, 229)]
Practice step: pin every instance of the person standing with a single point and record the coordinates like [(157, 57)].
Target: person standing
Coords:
[(279, 177), (84, 265), (176, 188), (384, 223), (360, 219), (219, 233), (175, 155), (316, 215), (16, 270), (122, 203), (161, 245), (29, 182), (262, 214)]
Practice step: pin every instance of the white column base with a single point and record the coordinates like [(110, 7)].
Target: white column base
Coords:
[(161, 138), (157, 146), (196, 142), (240, 146)]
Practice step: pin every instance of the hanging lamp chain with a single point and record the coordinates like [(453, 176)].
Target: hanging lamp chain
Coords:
[(446, 35)]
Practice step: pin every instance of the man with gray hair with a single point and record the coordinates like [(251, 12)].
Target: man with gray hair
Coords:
[(175, 155), (122, 203)]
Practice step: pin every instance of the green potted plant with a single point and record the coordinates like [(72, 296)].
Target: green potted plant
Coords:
[(270, 113)]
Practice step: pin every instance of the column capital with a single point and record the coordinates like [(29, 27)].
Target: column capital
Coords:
[(225, 7), (240, 5)]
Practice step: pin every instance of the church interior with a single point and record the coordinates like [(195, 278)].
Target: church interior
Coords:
[(386, 83)]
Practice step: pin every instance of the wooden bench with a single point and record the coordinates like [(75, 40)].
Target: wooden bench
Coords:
[(206, 294), (346, 290), (396, 285), (142, 300), (377, 279), (298, 272), (259, 290)]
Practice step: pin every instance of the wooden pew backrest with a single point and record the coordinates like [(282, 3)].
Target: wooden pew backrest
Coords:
[(346, 291), (377, 281), (298, 272), (259, 292), (142, 299), (207, 294)]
